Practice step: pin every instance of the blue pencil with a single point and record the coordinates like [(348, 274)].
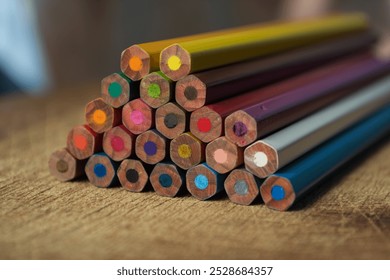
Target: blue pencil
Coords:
[(101, 170), (283, 188)]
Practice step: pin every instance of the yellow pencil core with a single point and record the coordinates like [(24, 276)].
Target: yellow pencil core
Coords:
[(135, 63), (174, 62), (184, 151), (99, 116)]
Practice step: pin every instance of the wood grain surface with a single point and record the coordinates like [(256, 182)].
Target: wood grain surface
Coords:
[(347, 217)]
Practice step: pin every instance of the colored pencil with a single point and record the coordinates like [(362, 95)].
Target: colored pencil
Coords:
[(206, 123), (245, 126), (187, 151), (223, 156), (203, 182), (140, 59), (64, 166), (101, 170), (151, 147), (117, 89), (82, 142), (156, 89), (179, 60), (242, 187), (197, 90), (268, 155), (282, 189), (171, 120), (167, 179), (100, 116), (118, 143), (137, 116), (133, 175)]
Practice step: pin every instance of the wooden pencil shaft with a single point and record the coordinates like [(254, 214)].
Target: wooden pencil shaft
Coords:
[(244, 127), (134, 175), (82, 142), (101, 116), (224, 82), (139, 60), (206, 123), (137, 116), (187, 151), (295, 140), (64, 166), (223, 156), (203, 182), (167, 179), (118, 143), (117, 89), (179, 60), (101, 170), (156, 89), (171, 120), (283, 188), (151, 147), (242, 187)]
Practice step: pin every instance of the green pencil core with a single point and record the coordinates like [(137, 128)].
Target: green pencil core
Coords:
[(115, 89), (154, 91)]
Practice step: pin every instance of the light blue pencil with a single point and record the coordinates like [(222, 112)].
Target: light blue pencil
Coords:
[(283, 188)]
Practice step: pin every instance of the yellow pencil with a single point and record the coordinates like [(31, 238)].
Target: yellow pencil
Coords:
[(139, 60), (183, 58)]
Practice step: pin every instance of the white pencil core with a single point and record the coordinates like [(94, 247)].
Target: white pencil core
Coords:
[(260, 159)]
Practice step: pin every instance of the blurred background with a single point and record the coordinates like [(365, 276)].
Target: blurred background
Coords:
[(49, 44)]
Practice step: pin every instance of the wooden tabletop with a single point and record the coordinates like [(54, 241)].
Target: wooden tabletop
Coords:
[(346, 217)]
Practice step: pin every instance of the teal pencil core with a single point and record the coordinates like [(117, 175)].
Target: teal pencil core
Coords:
[(201, 182), (165, 180), (154, 90), (277, 192), (241, 187), (115, 89), (100, 170)]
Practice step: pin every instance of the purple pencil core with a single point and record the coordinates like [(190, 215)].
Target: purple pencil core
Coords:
[(240, 129), (150, 148)]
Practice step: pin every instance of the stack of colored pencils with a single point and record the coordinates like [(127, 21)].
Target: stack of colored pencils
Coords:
[(263, 109)]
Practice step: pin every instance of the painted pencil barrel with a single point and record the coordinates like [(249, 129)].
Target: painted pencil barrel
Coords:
[(187, 151), (156, 89), (64, 166), (171, 120), (133, 175), (179, 60), (282, 189), (167, 179), (139, 60), (242, 187), (100, 116), (82, 142), (245, 126), (203, 88), (203, 182), (223, 156), (269, 154), (101, 170), (137, 116), (118, 143), (117, 89)]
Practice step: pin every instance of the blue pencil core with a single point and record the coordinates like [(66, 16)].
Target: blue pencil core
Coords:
[(165, 180), (150, 148), (201, 182), (100, 170), (277, 192)]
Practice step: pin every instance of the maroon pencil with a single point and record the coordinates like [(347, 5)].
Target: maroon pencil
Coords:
[(206, 123), (197, 90)]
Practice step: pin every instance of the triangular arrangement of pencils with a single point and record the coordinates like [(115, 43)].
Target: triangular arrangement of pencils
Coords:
[(266, 110)]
